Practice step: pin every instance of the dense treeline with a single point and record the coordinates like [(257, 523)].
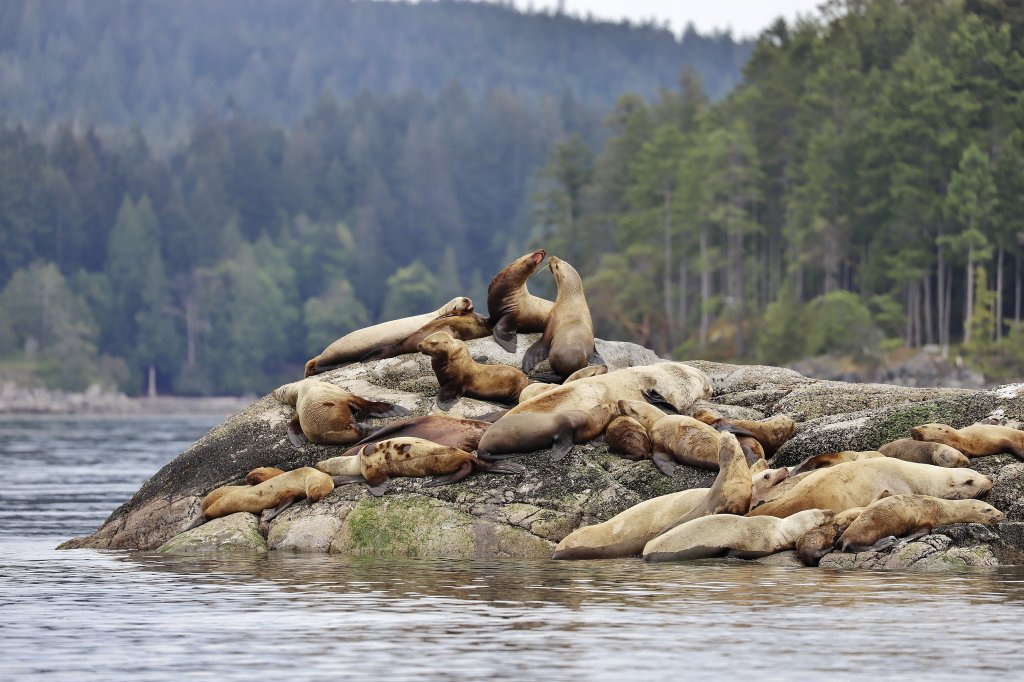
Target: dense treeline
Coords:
[(113, 63), (863, 188)]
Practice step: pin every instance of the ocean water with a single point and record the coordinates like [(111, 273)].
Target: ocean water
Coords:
[(100, 615)]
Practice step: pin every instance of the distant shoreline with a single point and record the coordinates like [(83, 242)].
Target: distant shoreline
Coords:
[(21, 401)]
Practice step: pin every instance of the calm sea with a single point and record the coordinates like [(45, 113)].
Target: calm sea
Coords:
[(90, 615)]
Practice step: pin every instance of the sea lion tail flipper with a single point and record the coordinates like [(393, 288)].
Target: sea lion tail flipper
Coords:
[(1016, 452), (496, 456), (380, 488), (561, 446), (295, 434), (596, 359), (344, 480), (381, 353), (658, 400), (455, 477), (664, 462), (447, 396), (491, 416), (880, 546), (310, 368), (480, 359), (547, 378), (505, 334), (536, 354), (502, 468), (268, 515), (726, 426), (380, 409)]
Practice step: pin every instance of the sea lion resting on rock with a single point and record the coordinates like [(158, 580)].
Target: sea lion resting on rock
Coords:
[(626, 533), (355, 345), (378, 462), (831, 459), (568, 338), (977, 440), (856, 484), (771, 433), (925, 452), (323, 412), (817, 542), (463, 327), (452, 432), (275, 493), (879, 526), (458, 374), (734, 536), (536, 389), (511, 306)]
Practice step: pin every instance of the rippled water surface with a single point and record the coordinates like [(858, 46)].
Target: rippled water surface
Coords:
[(85, 614)]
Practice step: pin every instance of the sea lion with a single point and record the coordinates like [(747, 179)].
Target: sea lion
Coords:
[(568, 338), (323, 412), (453, 432), (977, 440), (536, 389), (771, 433), (628, 437), (355, 345), (925, 452), (458, 374), (464, 327), (831, 459), (817, 542), (378, 462), (533, 431), (262, 474), (856, 484), (626, 533), (276, 493), (511, 306), (879, 526), (741, 537)]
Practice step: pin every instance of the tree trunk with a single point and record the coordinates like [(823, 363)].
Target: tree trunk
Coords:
[(737, 285), (969, 308), (666, 282), (929, 325), (705, 287), (999, 296), (1017, 290), (684, 295)]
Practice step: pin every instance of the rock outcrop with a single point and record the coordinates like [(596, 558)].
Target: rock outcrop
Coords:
[(490, 515)]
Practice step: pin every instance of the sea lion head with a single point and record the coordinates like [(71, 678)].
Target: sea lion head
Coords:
[(460, 305), (965, 483), (933, 432), (983, 513), (437, 343), (319, 485), (564, 274)]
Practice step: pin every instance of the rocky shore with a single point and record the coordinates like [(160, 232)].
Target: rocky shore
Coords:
[(524, 516), (95, 400)]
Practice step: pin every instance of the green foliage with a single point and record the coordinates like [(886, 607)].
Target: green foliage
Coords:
[(412, 290), (839, 322), (331, 316)]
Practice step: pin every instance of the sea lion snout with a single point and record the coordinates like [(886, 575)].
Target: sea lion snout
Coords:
[(537, 256)]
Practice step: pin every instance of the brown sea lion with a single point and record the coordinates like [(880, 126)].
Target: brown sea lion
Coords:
[(533, 431), (355, 345), (626, 533), (831, 459), (741, 537), (262, 474), (977, 440), (459, 374), (464, 327), (878, 527), (323, 412), (628, 437), (534, 390), (817, 542), (925, 452), (276, 493), (771, 433), (511, 306), (453, 432), (379, 462), (568, 339), (856, 484)]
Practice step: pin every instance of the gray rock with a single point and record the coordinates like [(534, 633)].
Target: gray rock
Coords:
[(233, 533)]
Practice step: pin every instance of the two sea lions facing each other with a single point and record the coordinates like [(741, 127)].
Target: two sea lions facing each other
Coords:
[(353, 346), (323, 412), (378, 462), (276, 491), (511, 306), (976, 440)]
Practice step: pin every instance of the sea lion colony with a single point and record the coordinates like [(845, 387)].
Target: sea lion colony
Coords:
[(830, 502)]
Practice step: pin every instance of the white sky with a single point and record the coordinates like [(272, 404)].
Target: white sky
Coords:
[(746, 18)]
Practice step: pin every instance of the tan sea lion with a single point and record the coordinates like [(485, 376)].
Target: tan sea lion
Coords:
[(925, 452), (568, 339), (355, 345), (628, 437), (276, 493), (771, 433), (831, 459), (458, 374), (817, 542), (898, 516), (534, 390), (977, 440), (741, 537), (511, 306), (626, 533), (262, 474), (464, 327), (453, 432), (856, 484), (381, 461), (323, 412), (533, 431)]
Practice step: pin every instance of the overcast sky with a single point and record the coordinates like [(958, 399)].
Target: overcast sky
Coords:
[(746, 18)]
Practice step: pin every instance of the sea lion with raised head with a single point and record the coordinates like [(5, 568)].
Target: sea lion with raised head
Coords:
[(740, 537), (925, 452), (276, 493), (856, 484), (323, 412), (511, 306), (462, 327), (911, 516), (976, 440), (831, 459), (355, 345), (458, 374), (568, 338)]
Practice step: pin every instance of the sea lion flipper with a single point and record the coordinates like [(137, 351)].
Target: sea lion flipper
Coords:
[(482, 359), (344, 480), (455, 477), (504, 333), (1016, 452), (380, 488), (447, 396), (658, 400), (381, 353), (547, 378), (491, 416), (268, 515), (379, 409), (561, 446), (664, 462), (536, 354), (596, 359), (295, 434)]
